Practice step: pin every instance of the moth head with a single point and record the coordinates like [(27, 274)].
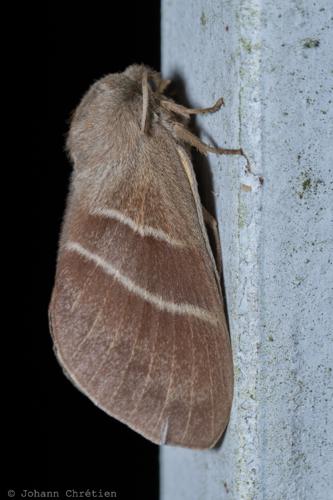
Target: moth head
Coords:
[(109, 117)]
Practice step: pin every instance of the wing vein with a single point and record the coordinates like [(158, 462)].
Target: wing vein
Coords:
[(90, 331), (151, 362), (125, 369), (167, 395), (192, 386), (211, 384)]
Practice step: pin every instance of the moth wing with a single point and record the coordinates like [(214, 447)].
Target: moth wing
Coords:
[(136, 312)]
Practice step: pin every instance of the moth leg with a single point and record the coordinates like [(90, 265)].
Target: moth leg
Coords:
[(184, 111), (210, 221), (186, 136)]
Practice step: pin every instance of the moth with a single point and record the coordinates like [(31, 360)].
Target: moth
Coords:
[(136, 313)]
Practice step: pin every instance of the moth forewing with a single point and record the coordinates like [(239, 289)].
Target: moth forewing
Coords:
[(136, 311)]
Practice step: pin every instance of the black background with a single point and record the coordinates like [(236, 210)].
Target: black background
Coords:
[(57, 438)]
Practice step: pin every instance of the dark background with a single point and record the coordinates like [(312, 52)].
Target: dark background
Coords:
[(57, 438)]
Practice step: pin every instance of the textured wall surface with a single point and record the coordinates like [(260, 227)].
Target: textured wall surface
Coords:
[(272, 62)]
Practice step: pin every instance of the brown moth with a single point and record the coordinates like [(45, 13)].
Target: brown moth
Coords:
[(137, 313)]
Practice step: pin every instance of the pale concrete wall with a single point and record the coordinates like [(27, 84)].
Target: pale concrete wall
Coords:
[(272, 62)]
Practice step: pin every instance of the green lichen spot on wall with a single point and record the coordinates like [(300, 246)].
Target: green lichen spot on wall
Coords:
[(308, 184), (248, 46), (310, 43), (203, 19)]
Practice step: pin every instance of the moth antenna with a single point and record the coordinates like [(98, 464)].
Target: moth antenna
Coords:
[(184, 111), (163, 85), (145, 102), (186, 136)]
